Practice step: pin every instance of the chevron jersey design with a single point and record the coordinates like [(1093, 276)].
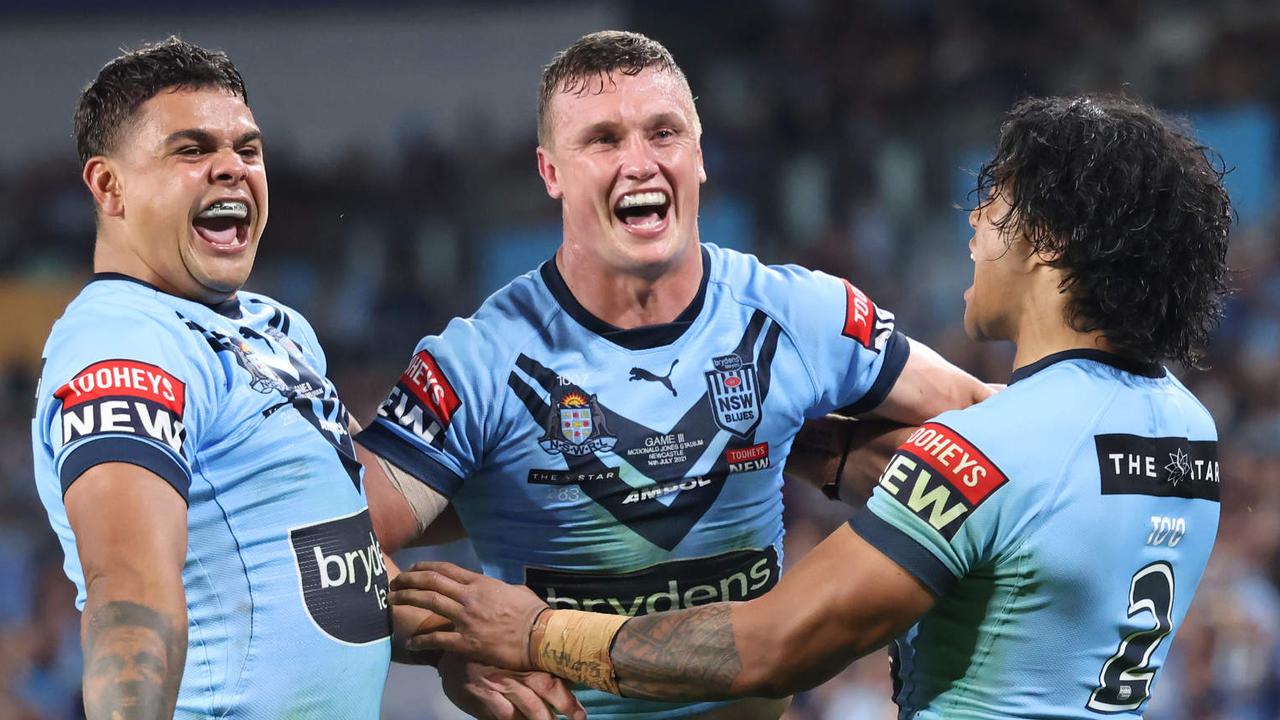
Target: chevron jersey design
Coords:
[(285, 586), (616, 496)]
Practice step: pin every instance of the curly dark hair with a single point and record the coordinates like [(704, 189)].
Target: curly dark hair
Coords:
[(595, 56), (128, 81), (1130, 207)]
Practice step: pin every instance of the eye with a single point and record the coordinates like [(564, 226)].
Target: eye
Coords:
[(665, 134), (250, 152), (603, 140), (190, 151)]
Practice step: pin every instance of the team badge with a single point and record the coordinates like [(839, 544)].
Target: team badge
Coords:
[(734, 394), (577, 428)]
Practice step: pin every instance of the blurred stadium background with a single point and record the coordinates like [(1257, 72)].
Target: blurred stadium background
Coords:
[(841, 135)]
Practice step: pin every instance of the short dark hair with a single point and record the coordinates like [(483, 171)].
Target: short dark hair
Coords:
[(1131, 208), (128, 81), (595, 56)]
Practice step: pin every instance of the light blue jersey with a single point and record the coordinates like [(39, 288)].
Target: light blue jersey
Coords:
[(1064, 524), (634, 471), (285, 585)]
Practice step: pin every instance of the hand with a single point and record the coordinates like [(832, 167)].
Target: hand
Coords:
[(490, 693), (491, 619)]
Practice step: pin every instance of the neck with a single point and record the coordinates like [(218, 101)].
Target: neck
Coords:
[(630, 299), (1043, 328)]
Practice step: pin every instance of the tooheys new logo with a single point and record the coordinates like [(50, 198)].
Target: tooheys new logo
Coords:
[(941, 477), (124, 396), (343, 578), (738, 575), (423, 401), (863, 321)]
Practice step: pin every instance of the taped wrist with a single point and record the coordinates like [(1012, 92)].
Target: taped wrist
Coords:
[(575, 645)]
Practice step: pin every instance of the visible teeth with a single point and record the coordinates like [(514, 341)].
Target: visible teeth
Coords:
[(642, 199), (226, 209)]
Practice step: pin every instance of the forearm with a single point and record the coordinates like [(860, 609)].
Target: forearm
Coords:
[(686, 655), (134, 638), (843, 456)]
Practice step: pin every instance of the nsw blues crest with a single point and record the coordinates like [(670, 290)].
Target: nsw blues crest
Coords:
[(577, 427), (734, 392)]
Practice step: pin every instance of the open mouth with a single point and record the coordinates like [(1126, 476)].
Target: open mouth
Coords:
[(643, 210), (224, 224)]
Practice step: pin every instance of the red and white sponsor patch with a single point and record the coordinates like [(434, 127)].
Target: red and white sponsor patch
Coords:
[(746, 459), (428, 383), (124, 397), (956, 460), (124, 378), (859, 316)]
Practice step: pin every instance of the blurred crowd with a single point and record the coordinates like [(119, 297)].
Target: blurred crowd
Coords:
[(838, 135)]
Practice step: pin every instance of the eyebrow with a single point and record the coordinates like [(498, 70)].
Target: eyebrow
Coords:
[(204, 137)]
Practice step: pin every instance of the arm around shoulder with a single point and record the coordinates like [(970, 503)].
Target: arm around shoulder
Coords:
[(929, 385)]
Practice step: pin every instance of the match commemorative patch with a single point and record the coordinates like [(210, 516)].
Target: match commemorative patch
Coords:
[(423, 401), (863, 321), (124, 396), (941, 477)]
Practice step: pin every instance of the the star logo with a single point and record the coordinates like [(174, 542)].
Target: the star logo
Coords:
[(1179, 466)]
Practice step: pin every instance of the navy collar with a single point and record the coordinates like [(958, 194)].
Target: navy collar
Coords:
[(641, 338), (229, 308), (1120, 362)]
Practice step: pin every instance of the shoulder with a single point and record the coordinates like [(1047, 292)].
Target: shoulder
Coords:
[(100, 324), (282, 317), (506, 321)]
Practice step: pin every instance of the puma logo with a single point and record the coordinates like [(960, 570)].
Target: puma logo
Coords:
[(638, 373)]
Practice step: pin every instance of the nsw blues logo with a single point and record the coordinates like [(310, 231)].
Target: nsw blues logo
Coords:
[(577, 428), (734, 393)]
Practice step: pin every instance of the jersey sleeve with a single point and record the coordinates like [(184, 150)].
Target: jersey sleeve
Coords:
[(124, 386), (851, 346), (941, 507), (431, 424)]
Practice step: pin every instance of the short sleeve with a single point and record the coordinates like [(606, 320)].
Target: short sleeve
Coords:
[(850, 345), (431, 424), (120, 385), (936, 511)]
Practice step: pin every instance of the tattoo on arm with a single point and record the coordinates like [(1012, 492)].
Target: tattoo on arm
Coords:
[(133, 663), (690, 654)]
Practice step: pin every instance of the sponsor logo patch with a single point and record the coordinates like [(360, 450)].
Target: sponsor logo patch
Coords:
[(734, 394), (941, 477), (423, 402), (343, 578), (1159, 466), (570, 477), (746, 459), (863, 321), (124, 396), (738, 575), (661, 490)]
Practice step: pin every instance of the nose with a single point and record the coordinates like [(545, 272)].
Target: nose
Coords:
[(638, 162), (228, 168)]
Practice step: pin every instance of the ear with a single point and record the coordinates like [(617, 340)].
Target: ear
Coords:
[(547, 169), (104, 183), (702, 170)]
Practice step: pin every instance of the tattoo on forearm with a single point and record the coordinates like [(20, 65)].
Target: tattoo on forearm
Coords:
[(677, 656), (133, 662)]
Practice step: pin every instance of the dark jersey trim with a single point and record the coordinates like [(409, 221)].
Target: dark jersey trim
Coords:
[(896, 352), (229, 308), (905, 551), (132, 451), (381, 440), (1120, 362), (641, 338)]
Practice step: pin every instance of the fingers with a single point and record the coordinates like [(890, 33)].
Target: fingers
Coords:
[(449, 570), (526, 702), (428, 600), (447, 641), (555, 692)]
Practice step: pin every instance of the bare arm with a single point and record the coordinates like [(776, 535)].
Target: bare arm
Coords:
[(131, 535), (844, 457), (843, 600), (928, 386)]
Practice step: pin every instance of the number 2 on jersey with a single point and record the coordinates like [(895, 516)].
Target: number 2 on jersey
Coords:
[(1125, 680)]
